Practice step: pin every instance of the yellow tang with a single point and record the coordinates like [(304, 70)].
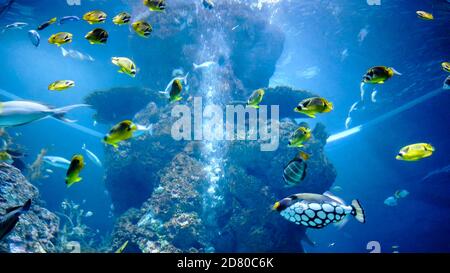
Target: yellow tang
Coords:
[(61, 85), (60, 38), (95, 17), (76, 165), (415, 152), (120, 132)]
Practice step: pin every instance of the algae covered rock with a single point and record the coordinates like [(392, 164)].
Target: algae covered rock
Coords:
[(37, 230)]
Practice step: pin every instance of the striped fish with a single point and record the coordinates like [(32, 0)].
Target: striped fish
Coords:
[(295, 171)]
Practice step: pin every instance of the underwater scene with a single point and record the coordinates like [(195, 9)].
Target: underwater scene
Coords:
[(224, 126)]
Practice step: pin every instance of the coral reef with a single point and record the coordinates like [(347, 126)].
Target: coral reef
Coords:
[(37, 230)]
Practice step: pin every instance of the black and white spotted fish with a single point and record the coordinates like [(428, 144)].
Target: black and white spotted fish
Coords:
[(295, 171), (317, 210)]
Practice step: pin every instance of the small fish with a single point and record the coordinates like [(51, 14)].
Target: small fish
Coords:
[(94, 17), (332, 244), (6, 157), (300, 136), (415, 152), (295, 171), (337, 188), (11, 218), (379, 74), (122, 18), (142, 28), (48, 171), (446, 66), (120, 132), (317, 210), (175, 91), (391, 201), (126, 65), (235, 27), (92, 156), (57, 161), (16, 25), (89, 214), (60, 38), (255, 99), (446, 84), (76, 55), (73, 173), (208, 4), (71, 18), (15, 113), (313, 106), (46, 24), (424, 15), (61, 85), (34, 37), (203, 65), (155, 5), (401, 194), (122, 248), (97, 36)]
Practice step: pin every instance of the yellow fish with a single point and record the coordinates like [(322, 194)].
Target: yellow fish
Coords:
[(122, 18), (122, 248), (60, 38), (446, 66), (142, 28), (6, 157), (95, 17), (300, 136), (120, 132), (415, 152), (256, 98), (155, 5), (424, 15), (379, 74), (313, 106), (126, 65), (61, 85), (76, 165), (97, 36)]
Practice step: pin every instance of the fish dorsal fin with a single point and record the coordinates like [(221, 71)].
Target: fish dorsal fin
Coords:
[(332, 196), (8, 210)]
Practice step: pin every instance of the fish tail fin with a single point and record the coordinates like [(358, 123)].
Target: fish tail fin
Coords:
[(64, 52), (196, 66), (59, 113), (26, 206), (70, 183), (358, 211), (185, 78), (396, 72), (53, 20)]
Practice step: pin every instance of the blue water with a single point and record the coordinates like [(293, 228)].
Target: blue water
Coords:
[(316, 35)]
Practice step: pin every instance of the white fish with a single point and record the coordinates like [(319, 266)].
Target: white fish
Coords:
[(35, 38), (57, 161), (92, 156), (15, 113), (16, 25), (141, 130), (89, 214), (391, 201), (203, 65), (74, 54), (48, 170)]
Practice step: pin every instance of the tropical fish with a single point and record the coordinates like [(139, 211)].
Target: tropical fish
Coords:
[(97, 36), (95, 17), (60, 38), (295, 171), (170, 84), (401, 194), (379, 74), (317, 210), (155, 5), (92, 156), (122, 18), (16, 25), (208, 4), (57, 161), (120, 132), (203, 65), (255, 99), (73, 173), (46, 24), (76, 55), (71, 18), (34, 37), (126, 65), (122, 248), (49, 170), (6, 157), (424, 15), (61, 85), (415, 152), (446, 85), (446, 66), (391, 201), (300, 136), (15, 113), (89, 214), (313, 106), (142, 28), (175, 91), (10, 219)]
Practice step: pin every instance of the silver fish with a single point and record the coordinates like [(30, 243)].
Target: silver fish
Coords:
[(76, 55), (68, 19), (57, 162), (16, 25), (92, 156), (34, 37), (203, 65), (16, 113)]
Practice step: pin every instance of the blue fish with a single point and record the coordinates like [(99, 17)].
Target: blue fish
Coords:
[(35, 38)]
